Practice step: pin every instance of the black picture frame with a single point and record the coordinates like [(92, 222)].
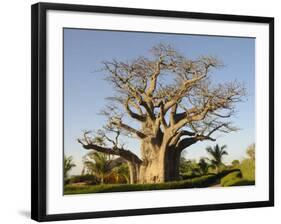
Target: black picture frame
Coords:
[(39, 122)]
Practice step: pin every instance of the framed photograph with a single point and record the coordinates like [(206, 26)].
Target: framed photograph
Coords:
[(139, 111)]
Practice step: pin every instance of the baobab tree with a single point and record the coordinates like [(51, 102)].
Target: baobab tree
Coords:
[(173, 103)]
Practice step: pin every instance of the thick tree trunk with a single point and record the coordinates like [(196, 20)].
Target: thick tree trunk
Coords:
[(152, 172), (172, 163), (160, 164), (134, 170), (152, 169)]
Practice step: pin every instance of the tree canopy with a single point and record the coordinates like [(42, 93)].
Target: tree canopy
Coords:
[(172, 100)]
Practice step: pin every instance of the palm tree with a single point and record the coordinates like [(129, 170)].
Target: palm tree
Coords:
[(68, 165), (204, 166), (98, 164), (217, 153), (122, 171)]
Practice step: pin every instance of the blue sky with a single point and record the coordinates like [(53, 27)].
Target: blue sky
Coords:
[(85, 89)]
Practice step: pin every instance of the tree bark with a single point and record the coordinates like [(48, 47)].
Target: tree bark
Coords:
[(172, 163), (152, 167), (134, 172), (161, 164)]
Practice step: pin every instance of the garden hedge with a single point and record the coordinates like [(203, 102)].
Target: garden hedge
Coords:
[(198, 182)]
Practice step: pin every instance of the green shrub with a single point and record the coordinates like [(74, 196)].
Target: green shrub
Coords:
[(231, 177), (236, 178), (240, 182), (188, 175), (248, 169), (198, 182), (204, 181), (67, 181), (235, 163), (88, 179), (226, 172)]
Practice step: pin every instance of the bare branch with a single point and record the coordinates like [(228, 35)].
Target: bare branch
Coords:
[(153, 78), (173, 114), (126, 154), (186, 142), (162, 116), (132, 114), (118, 123), (200, 115), (183, 90), (180, 134)]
